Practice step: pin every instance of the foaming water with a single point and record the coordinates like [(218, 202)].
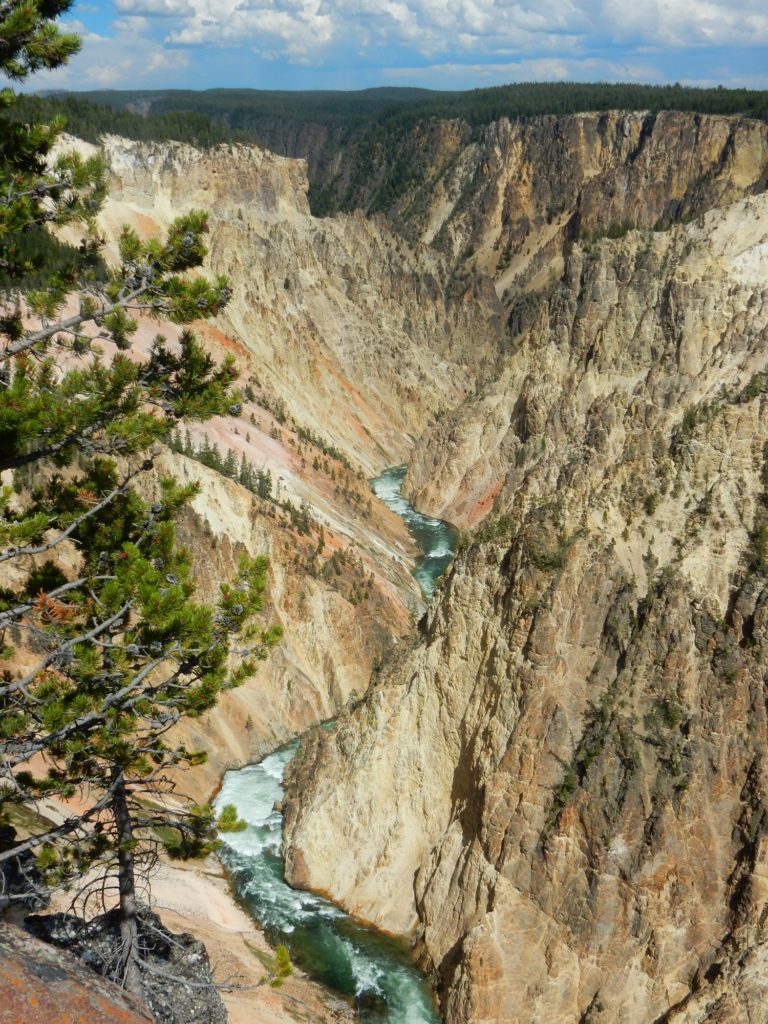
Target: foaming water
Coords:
[(436, 538), (373, 970)]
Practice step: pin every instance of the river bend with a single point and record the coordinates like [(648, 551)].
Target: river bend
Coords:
[(374, 971)]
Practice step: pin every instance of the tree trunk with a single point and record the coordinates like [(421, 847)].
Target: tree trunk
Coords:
[(129, 927)]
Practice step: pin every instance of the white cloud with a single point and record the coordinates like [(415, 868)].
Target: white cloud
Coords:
[(129, 57), (304, 29), (686, 23), (134, 23), (455, 43), (291, 28), (545, 69), (166, 8)]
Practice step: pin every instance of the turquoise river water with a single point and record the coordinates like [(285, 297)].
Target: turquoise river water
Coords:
[(372, 970), (436, 538)]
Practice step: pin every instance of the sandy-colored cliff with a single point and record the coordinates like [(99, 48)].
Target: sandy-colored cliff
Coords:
[(560, 792), (354, 330), (347, 341), (330, 644), (511, 205)]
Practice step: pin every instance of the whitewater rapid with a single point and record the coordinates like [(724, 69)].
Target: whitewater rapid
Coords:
[(374, 971), (436, 538), (357, 962)]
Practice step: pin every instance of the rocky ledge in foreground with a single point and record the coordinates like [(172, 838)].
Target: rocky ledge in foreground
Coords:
[(178, 985), (40, 984)]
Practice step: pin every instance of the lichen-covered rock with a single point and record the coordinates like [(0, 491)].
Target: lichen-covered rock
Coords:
[(40, 984)]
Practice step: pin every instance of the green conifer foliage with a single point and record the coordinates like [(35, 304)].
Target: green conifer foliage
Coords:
[(104, 647)]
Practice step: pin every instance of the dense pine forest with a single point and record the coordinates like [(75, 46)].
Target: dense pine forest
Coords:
[(217, 115)]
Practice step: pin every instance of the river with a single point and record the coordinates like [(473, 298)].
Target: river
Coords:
[(374, 971), (436, 539)]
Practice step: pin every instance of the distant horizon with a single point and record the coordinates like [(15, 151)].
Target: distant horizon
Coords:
[(49, 91), (355, 45)]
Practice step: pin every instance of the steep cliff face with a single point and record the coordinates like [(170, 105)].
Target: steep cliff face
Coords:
[(532, 183), (330, 644), (560, 791), (524, 183), (685, 165), (347, 338), (355, 331)]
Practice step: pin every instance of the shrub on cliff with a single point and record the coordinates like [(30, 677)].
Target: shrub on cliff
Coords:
[(104, 647)]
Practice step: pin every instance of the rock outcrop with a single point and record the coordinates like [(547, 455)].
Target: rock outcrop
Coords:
[(178, 984), (559, 793), (40, 984)]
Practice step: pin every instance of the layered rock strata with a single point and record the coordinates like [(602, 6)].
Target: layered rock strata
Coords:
[(560, 792), (352, 329), (347, 340)]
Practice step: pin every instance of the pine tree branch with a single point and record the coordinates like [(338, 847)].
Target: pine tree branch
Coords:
[(67, 326), (22, 684), (21, 609), (86, 722), (80, 433), (49, 545), (66, 826)]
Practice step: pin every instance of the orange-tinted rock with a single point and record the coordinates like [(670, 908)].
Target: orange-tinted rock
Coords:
[(40, 984)]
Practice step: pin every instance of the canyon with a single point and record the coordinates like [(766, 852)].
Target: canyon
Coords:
[(558, 791), (551, 779)]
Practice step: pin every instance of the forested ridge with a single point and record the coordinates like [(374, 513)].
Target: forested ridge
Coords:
[(366, 149), (215, 115)]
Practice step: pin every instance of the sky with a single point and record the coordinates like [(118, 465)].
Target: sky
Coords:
[(438, 44)]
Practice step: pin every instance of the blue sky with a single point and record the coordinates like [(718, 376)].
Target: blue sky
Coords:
[(441, 44)]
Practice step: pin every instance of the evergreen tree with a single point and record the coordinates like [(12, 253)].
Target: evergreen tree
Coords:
[(264, 484), (216, 462), (229, 466), (104, 647), (245, 476)]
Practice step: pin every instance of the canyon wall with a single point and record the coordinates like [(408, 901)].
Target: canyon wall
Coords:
[(348, 339), (519, 201), (351, 328), (559, 791)]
